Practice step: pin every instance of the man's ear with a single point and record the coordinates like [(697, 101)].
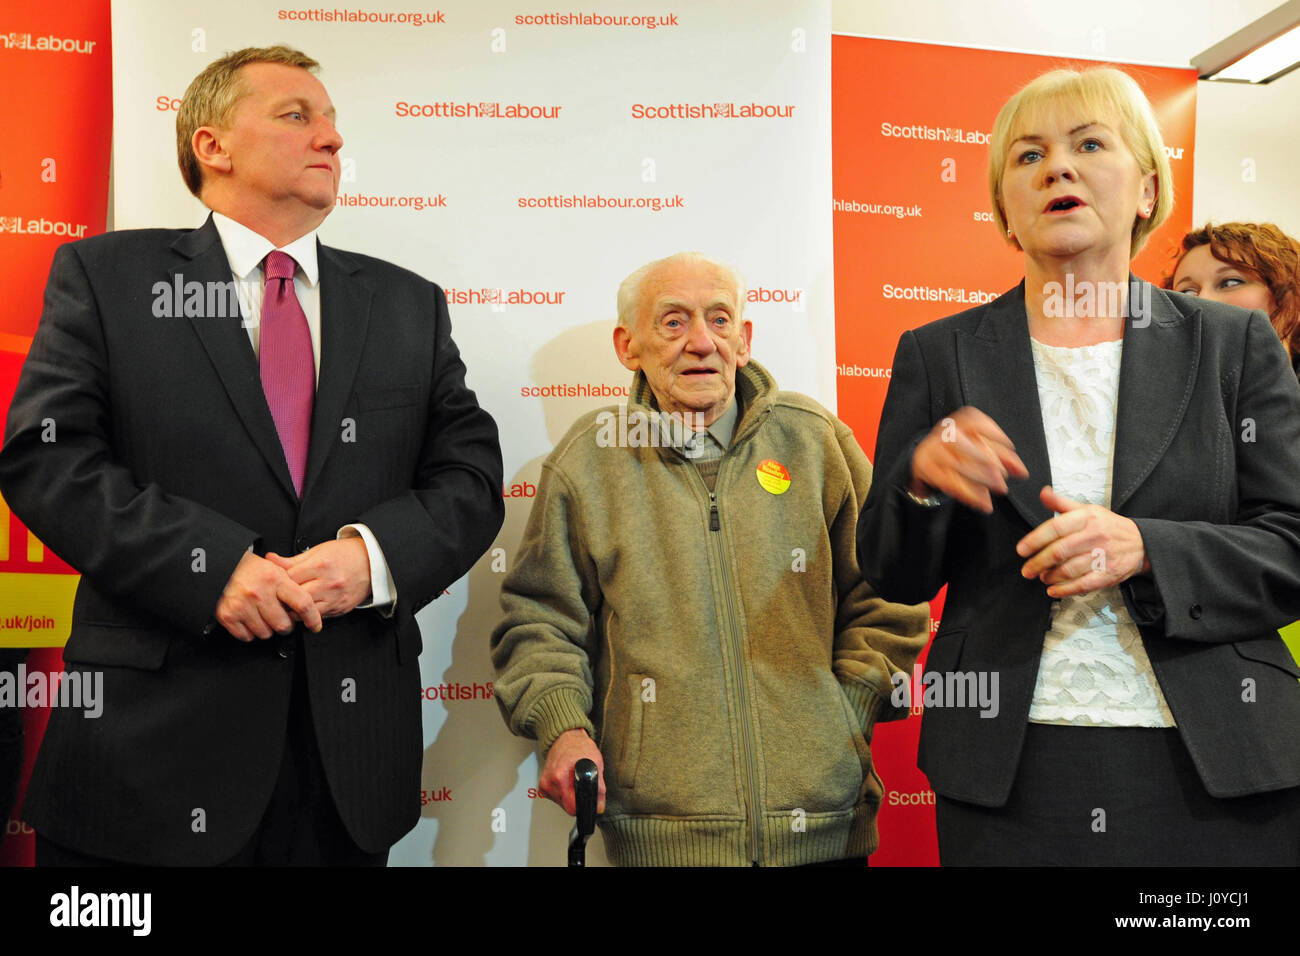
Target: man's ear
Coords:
[(746, 335), (623, 348), (209, 150)]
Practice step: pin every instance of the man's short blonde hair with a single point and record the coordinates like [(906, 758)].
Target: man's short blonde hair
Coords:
[(213, 95), (629, 290), (1103, 95)]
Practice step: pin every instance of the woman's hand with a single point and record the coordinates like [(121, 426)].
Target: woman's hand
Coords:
[(966, 456), (1083, 548)]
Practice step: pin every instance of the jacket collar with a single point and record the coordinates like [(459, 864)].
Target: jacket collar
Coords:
[(203, 259), (345, 318), (754, 388), (1162, 353)]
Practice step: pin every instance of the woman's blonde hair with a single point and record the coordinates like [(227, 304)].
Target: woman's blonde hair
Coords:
[(1103, 94)]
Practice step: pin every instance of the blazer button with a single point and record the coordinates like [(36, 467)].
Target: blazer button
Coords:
[(300, 544), (1195, 612)]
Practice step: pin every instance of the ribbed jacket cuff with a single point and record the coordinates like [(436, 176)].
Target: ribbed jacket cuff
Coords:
[(866, 705), (562, 709)]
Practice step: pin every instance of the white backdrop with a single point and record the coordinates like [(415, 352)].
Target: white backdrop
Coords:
[(624, 112)]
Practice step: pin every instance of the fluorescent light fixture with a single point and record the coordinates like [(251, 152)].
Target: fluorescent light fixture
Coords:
[(1257, 53)]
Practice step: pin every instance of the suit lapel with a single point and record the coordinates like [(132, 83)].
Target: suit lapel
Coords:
[(1156, 375), (1157, 371), (344, 319), (228, 347), (996, 367)]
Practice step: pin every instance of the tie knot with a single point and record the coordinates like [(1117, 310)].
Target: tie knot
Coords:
[(279, 265)]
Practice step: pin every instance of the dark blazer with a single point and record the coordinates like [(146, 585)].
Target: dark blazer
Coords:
[(163, 469), (1207, 463)]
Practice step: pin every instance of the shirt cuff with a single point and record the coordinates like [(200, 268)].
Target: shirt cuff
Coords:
[(383, 590)]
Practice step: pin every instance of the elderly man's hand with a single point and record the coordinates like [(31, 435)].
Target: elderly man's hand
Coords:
[(966, 456), (1083, 548), (556, 779)]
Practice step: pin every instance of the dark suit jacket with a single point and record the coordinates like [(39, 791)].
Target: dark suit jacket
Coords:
[(1207, 463), (164, 468)]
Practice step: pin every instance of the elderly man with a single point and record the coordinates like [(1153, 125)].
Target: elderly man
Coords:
[(690, 614), (259, 500)]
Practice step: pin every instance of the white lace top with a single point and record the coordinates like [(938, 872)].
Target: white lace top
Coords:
[(1094, 670)]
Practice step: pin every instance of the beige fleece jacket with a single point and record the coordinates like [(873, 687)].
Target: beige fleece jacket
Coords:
[(723, 650)]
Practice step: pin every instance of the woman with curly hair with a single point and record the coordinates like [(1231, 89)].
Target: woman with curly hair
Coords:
[(1252, 265)]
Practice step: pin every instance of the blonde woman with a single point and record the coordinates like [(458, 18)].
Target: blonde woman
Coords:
[(1103, 474)]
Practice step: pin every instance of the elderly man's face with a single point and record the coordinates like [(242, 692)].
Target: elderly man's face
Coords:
[(688, 339)]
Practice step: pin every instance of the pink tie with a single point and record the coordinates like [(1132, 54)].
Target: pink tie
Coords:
[(287, 365)]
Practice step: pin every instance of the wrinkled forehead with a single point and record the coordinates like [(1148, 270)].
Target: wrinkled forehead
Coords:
[(693, 285)]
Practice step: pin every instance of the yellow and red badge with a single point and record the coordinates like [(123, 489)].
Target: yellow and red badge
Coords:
[(772, 476)]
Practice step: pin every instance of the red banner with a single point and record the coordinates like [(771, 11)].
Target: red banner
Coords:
[(55, 70)]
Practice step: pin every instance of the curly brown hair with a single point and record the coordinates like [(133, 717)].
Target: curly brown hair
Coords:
[(1267, 254)]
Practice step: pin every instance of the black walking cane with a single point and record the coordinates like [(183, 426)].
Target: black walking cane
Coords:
[(586, 779)]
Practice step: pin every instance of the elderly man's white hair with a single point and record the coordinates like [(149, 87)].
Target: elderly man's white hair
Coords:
[(629, 291)]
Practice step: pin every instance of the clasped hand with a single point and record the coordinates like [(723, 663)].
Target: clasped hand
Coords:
[(267, 595), (1083, 548)]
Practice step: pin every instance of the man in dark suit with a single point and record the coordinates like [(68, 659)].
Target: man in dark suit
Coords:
[(259, 499)]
